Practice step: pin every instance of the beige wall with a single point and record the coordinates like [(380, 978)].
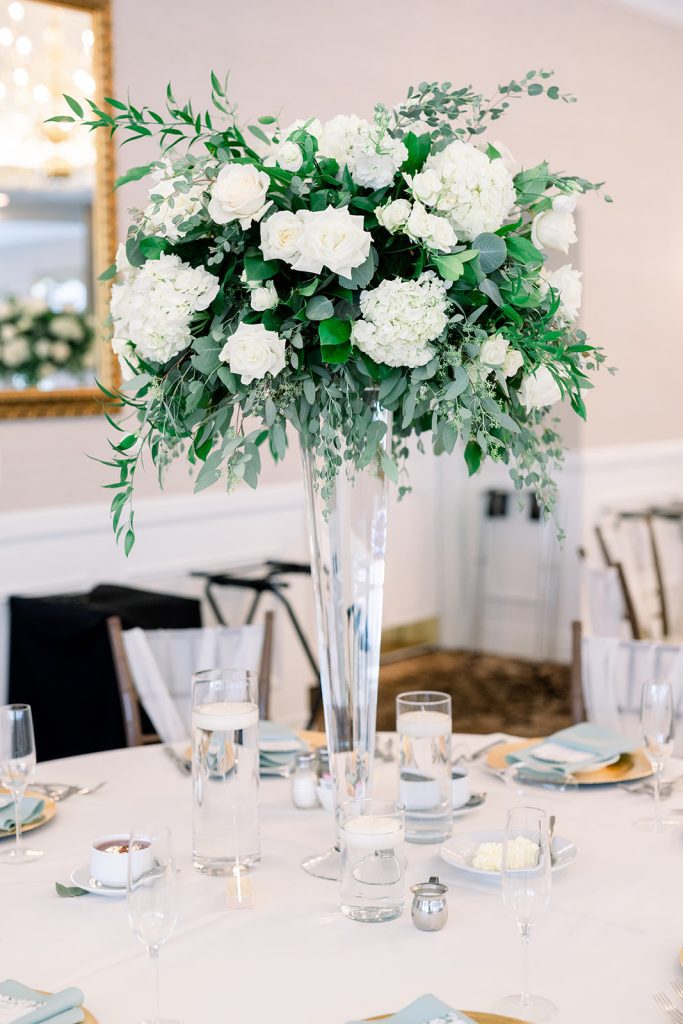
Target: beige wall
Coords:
[(329, 57)]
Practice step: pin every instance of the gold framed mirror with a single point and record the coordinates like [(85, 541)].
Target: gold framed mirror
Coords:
[(57, 212)]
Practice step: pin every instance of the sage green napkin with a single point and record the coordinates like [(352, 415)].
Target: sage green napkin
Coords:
[(31, 809)]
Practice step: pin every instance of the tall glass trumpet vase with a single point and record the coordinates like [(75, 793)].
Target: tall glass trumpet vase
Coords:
[(348, 542)]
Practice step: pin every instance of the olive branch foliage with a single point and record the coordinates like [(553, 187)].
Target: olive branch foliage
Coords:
[(195, 405)]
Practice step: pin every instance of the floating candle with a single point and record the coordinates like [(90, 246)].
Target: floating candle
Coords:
[(419, 724), (373, 832), (225, 716)]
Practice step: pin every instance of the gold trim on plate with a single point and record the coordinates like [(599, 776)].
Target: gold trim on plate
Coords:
[(629, 767), (48, 814), (480, 1018)]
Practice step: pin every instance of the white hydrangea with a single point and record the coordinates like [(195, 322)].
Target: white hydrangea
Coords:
[(400, 319), (476, 194), (153, 306), (171, 204), (339, 135)]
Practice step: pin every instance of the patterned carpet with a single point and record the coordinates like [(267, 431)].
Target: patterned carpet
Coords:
[(490, 693)]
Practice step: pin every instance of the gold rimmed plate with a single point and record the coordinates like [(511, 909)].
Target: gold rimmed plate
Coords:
[(87, 1015), (49, 811), (480, 1018), (629, 767)]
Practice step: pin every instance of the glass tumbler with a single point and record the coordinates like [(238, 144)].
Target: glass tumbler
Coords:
[(372, 837), (225, 771), (424, 727)]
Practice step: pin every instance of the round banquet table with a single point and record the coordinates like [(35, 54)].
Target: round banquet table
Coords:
[(610, 939)]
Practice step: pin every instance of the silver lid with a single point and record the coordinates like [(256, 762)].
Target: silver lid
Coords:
[(305, 759), (431, 888)]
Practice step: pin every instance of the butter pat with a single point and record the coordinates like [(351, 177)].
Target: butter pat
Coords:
[(522, 853)]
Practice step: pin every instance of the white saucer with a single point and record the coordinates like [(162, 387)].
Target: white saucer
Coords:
[(460, 849), (83, 879), (469, 807)]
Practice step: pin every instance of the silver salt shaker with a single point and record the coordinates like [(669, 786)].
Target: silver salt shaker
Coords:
[(430, 909)]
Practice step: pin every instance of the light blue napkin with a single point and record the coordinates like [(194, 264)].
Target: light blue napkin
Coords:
[(426, 1010), (31, 809), (276, 733), (60, 1008), (597, 742)]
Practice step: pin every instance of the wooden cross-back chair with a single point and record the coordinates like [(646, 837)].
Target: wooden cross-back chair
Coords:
[(130, 702)]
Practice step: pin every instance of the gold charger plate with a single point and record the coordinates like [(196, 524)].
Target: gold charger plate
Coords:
[(629, 767), (49, 812), (481, 1018), (87, 1015)]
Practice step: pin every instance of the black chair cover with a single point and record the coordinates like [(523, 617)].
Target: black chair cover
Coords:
[(61, 664)]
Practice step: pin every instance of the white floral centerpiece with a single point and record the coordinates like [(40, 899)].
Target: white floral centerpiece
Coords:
[(36, 341), (279, 272)]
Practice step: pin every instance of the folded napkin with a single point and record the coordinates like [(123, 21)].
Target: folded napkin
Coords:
[(21, 1005), (426, 1010), (31, 809), (583, 745), (278, 746)]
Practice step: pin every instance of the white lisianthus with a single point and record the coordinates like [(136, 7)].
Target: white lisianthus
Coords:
[(253, 351), (555, 228), (60, 351), (153, 306), (493, 351), (263, 297), (239, 193), (400, 319), (280, 235), (332, 238), (567, 282), (426, 186), (15, 352), (285, 154), (539, 389), (476, 193), (374, 162), (394, 216), (171, 204), (513, 362), (67, 327), (434, 231), (338, 137)]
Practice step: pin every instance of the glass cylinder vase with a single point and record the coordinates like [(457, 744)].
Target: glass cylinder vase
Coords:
[(347, 531)]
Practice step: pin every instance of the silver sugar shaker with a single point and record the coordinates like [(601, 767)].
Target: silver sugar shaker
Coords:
[(430, 909)]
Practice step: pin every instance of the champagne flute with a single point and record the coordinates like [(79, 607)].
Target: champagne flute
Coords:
[(17, 765), (152, 897), (526, 882), (657, 731)]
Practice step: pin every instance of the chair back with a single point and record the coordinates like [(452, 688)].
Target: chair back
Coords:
[(604, 600), (612, 675), (155, 669)]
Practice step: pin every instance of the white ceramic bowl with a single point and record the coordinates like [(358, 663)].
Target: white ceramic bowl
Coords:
[(111, 868)]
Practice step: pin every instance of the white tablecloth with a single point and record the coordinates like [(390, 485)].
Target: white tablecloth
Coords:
[(610, 939)]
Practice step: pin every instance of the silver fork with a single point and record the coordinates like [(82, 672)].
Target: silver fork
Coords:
[(677, 986), (59, 793), (664, 1003)]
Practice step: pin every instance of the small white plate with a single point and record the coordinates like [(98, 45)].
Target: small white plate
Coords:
[(83, 879), (280, 746), (460, 849)]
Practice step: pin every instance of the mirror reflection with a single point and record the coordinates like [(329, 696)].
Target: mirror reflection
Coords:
[(47, 189)]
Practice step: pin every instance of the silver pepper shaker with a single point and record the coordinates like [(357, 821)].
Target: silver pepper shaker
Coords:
[(430, 909)]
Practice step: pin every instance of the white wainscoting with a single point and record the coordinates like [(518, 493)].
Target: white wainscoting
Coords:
[(71, 549)]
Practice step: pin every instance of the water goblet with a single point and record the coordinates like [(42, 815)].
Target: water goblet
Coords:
[(526, 884), (152, 898), (657, 731), (17, 765)]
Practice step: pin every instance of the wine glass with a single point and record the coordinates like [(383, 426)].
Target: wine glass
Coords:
[(657, 730), (152, 897), (526, 882), (17, 764)]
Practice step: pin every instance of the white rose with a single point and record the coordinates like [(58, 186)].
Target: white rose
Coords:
[(494, 350), (555, 228), (513, 362), (280, 236), (311, 125), (394, 215), (42, 348), (239, 193), (436, 232), (567, 282), (539, 389), (15, 352), (286, 155), (7, 332), (332, 238), (426, 186), (252, 352), (263, 297), (61, 351), (34, 306)]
